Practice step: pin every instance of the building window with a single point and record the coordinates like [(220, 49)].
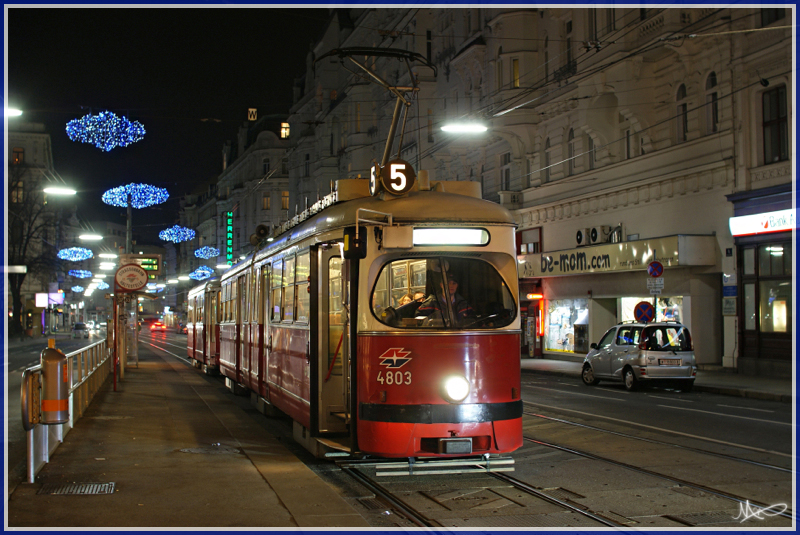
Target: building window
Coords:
[(590, 151), (592, 25), (307, 166), (428, 44), (285, 166), (499, 73), (284, 200), (265, 201), (628, 144), (515, 73), (571, 152), (712, 106), (265, 166), (505, 171), (770, 15), (767, 287), (358, 118), (546, 58), (18, 192), (430, 125), (569, 42), (284, 130), (611, 23), (547, 160), (17, 155), (776, 136), (682, 113)]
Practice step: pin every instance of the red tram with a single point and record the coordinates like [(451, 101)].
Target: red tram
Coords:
[(385, 325), (202, 326)]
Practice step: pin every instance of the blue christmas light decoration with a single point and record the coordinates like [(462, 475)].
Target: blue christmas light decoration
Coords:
[(176, 234), (207, 252), (105, 130), (80, 273), (75, 254), (102, 286), (201, 273), (142, 196), (77, 289)]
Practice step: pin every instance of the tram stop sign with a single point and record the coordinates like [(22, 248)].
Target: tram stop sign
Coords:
[(644, 312)]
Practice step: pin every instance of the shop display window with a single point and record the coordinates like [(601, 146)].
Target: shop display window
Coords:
[(567, 326)]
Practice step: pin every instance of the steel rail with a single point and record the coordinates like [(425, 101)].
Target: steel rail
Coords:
[(722, 494), (409, 512), (663, 443)]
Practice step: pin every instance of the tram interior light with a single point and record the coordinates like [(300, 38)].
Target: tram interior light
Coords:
[(451, 236), (456, 388)]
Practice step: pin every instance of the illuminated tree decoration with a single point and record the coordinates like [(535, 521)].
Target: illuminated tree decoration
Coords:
[(105, 130), (201, 273), (207, 252), (77, 289), (102, 286), (176, 234), (75, 254), (80, 273), (142, 196)]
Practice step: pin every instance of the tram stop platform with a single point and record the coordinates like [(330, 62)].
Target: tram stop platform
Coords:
[(179, 452), (713, 380)]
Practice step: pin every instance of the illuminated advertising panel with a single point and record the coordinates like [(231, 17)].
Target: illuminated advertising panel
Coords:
[(229, 238)]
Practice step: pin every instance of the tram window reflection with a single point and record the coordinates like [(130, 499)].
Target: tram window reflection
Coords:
[(448, 293)]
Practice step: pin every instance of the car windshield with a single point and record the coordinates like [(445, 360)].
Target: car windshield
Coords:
[(80, 326), (667, 338), (442, 293)]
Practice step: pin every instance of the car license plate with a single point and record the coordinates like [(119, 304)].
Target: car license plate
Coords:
[(669, 362)]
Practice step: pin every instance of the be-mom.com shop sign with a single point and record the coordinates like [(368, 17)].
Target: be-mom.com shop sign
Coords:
[(671, 251), (131, 277)]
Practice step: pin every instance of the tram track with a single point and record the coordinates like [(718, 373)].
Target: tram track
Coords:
[(662, 443), (743, 502), (356, 470)]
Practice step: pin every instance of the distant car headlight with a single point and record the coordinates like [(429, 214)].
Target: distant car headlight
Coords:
[(456, 388)]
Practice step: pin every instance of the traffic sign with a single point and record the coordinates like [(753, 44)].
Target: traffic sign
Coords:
[(655, 283), (130, 277), (655, 268), (644, 312)]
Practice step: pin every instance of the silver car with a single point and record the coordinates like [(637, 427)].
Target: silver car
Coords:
[(639, 353)]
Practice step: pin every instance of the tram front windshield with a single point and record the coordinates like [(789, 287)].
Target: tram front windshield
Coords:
[(442, 293)]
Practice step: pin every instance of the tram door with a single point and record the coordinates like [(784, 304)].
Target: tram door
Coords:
[(333, 352)]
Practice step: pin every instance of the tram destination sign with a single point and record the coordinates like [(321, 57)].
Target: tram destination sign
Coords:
[(151, 263), (130, 277)]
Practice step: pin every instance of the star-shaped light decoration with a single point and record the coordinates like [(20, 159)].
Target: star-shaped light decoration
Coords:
[(207, 252), (105, 130), (176, 234), (75, 254)]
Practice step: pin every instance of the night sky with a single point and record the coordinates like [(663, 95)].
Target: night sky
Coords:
[(188, 75)]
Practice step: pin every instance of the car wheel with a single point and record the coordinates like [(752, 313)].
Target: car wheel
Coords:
[(629, 378), (686, 386), (588, 376)]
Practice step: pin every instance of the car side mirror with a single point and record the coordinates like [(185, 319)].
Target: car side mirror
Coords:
[(593, 346)]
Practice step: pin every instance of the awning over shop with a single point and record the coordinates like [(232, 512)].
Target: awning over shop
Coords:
[(671, 251)]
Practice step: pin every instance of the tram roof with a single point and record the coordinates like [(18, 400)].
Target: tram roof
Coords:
[(417, 207)]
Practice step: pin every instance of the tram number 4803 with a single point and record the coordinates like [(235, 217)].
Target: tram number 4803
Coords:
[(394, 378)]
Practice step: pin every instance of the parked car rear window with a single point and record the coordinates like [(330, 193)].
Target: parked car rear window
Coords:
[(667, 338)]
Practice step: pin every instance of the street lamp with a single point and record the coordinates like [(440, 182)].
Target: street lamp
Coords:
[(13, 112), (465, 128), (90, 237), (59, 191)]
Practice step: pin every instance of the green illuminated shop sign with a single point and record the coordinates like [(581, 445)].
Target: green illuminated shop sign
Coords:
[(229, 238)]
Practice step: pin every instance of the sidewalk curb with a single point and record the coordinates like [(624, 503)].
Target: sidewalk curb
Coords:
[(721, 390)]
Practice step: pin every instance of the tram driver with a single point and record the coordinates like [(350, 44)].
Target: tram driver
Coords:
[(460, 307)]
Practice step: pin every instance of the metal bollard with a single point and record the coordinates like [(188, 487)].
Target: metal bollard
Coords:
[(56, 382)]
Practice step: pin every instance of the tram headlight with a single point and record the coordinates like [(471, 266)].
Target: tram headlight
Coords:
[(456, 388)]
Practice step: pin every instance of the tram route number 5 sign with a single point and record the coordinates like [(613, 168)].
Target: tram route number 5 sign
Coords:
[(130, 277), (397, 177)]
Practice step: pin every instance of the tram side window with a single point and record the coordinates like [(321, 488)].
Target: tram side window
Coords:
[(288, 288), (224, 302), (234, 302), (302, 272), (445, 293), (277, 286), (201, 302)]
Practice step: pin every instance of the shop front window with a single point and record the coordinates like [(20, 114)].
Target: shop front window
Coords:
[(567, 326), (775, 307), (442, 293)]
